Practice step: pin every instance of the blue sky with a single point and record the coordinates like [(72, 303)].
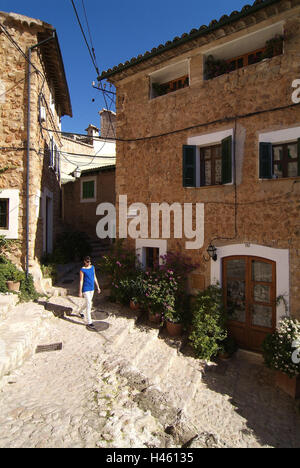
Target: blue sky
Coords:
[(120, 30)]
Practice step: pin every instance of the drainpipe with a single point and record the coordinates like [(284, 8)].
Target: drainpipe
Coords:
[(30, 49)]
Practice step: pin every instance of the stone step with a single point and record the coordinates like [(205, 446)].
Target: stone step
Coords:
[(138, 346), (19, 335), (7, 302)]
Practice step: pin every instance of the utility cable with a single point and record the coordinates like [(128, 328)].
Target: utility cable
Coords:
[(173, 132), (85, 39), (16, 45)]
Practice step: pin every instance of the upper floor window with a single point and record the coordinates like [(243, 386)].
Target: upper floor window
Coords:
[(251, 48), (169, 79), (215, 67), (279, 160), (170, 86), (209, 164)]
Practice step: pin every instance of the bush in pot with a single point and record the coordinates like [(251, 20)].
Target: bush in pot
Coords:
[(208, 324), (281, 352)]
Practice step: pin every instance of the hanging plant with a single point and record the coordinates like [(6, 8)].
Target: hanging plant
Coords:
[(274, 47)]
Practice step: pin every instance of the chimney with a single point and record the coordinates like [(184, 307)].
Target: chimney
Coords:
[(92, 132), (108, 123)]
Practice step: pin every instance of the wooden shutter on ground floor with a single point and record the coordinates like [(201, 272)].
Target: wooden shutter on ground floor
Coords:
[(227, 160), (189, 166), (265, 161)]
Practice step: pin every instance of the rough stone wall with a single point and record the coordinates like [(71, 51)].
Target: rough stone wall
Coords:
[(151, 170), (13, 131)]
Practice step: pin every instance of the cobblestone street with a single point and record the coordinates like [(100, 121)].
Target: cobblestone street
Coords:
[(126, 387)]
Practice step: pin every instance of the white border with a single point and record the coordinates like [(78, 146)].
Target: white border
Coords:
[(88, 179), (141, 244), (280, 256), (13, 195), (280, 136)]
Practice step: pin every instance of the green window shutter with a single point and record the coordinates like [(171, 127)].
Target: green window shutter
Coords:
[(227, 160), (299, 157), (88, 189), (265, 161), (189, 166)]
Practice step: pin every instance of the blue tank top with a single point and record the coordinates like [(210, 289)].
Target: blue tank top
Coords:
[(88, 279)]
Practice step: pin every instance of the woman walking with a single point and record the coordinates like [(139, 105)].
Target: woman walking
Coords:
[(87, 283)]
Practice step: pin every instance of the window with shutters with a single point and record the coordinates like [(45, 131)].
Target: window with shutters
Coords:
[(277, 161), (88, 190), (209, 165)]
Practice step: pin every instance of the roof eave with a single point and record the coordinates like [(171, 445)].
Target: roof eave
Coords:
[(214, 25)]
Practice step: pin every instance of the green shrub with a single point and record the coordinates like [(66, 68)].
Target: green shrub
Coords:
[(208, 323), (9, 272), (280, 347), (70, 246), (49, 271)]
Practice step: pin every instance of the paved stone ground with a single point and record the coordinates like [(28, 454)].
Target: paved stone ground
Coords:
[(126, 387)]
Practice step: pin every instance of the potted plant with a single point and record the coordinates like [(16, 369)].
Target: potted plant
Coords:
[(281, 352), (174, 322), (274, 47), (137, 291), (227, 348), (215, 67), (13, 278), (208, 324)]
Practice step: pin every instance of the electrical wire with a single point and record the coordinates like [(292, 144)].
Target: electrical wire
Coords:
[(85, 39), (17, 46), (87, 23), (173, 132), (15, 85)]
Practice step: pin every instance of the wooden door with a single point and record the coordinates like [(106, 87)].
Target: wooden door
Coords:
[(250, 299)]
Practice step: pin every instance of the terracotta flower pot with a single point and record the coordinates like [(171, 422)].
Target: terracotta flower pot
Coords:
[(13, 285), (289, 385), (154, 317), (174, 329), (134, 306)]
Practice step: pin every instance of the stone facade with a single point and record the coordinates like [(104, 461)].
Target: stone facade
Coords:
[(49, 101), (80, 214), (261, 215)]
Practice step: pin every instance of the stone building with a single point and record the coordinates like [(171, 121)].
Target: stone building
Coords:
[(34, 97), (82, 197), (217, 126), (94, 156)]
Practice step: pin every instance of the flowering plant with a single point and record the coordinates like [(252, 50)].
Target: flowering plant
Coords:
[(159, 289), (279, 347)]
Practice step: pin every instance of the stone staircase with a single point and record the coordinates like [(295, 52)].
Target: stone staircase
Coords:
[(20, 331), (162, 375)]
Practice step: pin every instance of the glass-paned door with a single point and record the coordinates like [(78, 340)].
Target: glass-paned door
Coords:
[(250, 299)]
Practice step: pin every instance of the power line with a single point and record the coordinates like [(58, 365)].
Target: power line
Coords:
[(191, 127), (93, 49), (16, 45), (85, 39)]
